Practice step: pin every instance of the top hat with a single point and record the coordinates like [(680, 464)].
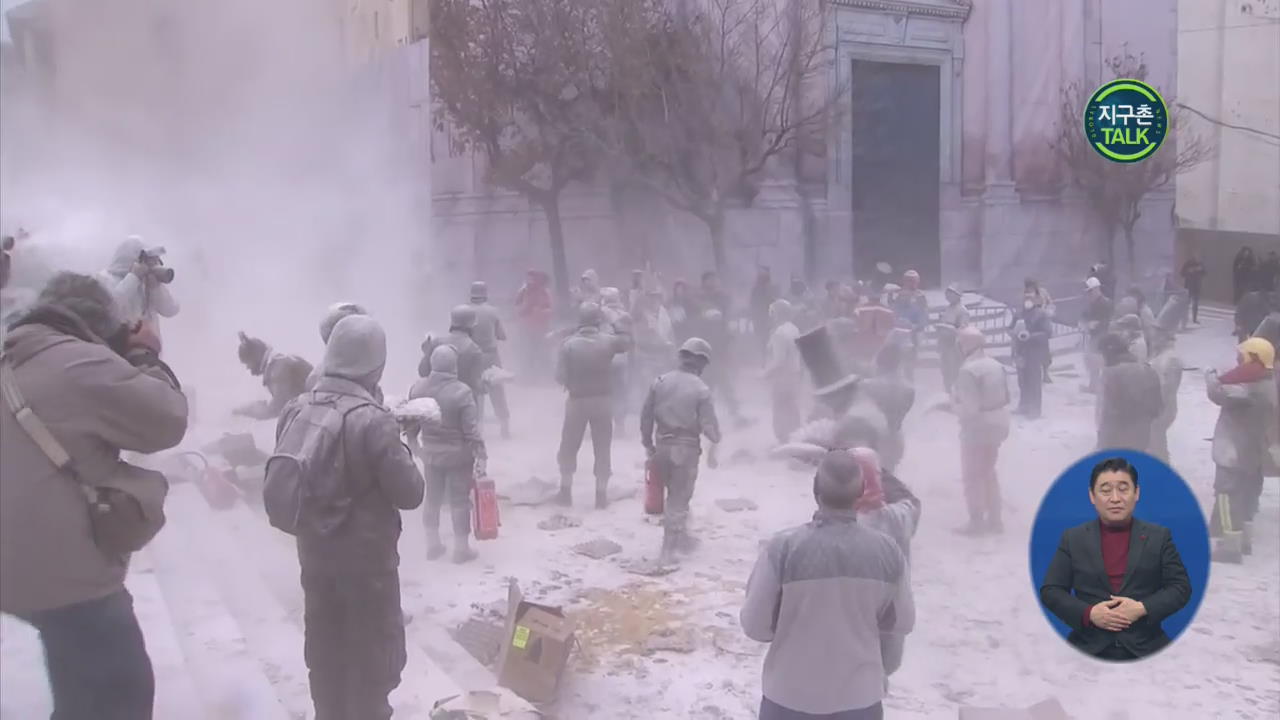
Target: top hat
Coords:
[(1174, 310), (818, 353)]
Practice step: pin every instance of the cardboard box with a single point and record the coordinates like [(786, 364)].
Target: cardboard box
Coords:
[(536, 646), (1049, 709)]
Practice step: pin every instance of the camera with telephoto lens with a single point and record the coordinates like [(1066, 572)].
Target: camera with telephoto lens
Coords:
[(155, 265)]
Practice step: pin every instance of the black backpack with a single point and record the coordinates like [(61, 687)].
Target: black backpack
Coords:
[(305, 489)]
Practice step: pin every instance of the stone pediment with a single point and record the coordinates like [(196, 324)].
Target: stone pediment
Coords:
[(947, 9)]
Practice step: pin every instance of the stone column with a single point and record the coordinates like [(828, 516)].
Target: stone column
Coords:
[(1073, 43), (999, 166)]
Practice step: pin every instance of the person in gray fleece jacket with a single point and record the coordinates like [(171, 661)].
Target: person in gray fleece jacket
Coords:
[(822, 594)]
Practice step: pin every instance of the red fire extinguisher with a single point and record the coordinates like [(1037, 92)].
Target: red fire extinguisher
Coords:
[(654, 492), (484, 512), (215, 483)]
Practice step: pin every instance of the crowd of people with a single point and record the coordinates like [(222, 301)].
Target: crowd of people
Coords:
[(82, 366)]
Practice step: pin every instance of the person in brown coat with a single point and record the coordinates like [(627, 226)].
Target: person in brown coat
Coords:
[(1129, 398), (99, 389)]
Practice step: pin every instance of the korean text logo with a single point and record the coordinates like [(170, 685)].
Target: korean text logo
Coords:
[(1126, 120)]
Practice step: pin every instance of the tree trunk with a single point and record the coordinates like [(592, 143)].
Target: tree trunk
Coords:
[(716, 226), (559, 262), (1130, 252), (809, 228)]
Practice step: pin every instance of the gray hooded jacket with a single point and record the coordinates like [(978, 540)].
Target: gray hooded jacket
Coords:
[(381, 476), (455, 441)]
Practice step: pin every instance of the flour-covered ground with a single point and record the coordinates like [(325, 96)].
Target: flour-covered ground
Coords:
[(670, 647)]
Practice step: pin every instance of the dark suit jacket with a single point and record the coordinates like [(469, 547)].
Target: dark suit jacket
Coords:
[(1154, 576)]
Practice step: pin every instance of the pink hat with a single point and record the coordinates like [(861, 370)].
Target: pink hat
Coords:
[(872, 492)]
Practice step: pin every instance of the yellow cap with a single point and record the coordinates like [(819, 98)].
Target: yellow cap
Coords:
[(1260, 348)]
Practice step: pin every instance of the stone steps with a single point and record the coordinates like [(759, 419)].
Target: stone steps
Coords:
[(230, 679), (220, 604)]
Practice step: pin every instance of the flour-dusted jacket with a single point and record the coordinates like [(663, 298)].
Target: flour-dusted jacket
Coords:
[(1128, 405), (821, 594), (980, 396), (96, 404), (1247, 423), (1154, 577)]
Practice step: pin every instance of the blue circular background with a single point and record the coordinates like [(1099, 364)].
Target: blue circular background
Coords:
[(1164, 499)]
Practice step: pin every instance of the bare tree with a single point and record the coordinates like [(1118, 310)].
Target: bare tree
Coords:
[(1115, 191), (516, 80), (708, 96)]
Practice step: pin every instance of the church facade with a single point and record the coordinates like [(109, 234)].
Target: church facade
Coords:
[(941, 161)]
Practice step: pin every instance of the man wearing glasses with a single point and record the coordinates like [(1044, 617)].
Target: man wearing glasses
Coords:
[(1126, 574)]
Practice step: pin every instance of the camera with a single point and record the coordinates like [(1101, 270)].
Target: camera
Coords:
[(155, 265)]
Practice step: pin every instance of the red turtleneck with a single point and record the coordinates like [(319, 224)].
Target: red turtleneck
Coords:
[(1115, 556)]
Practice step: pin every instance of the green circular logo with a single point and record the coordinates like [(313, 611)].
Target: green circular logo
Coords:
[(1126, 120)]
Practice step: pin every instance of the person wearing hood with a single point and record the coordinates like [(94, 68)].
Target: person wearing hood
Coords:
[(585, 370), (1129, 399), (784, 371), (1245, 439), (452, 451), (1031, 332), (487, 333), (284, 376), (912, 311), (830, 584), (354, 629), (980, 398), (951, 320), (98, 386), (138, 283), (1095, 321), (889, 506), (336, 312), (534, 308), (618, 321), (462, 321), (678, 412), (588, 289), (893, 395), (1169, 367)]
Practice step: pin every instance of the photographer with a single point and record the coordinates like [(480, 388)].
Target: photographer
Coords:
[(1031, 330), (139, 281), (79, 387)]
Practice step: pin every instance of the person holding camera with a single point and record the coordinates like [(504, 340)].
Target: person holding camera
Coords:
[(139, 281), (1031, 330), (78, 388)]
